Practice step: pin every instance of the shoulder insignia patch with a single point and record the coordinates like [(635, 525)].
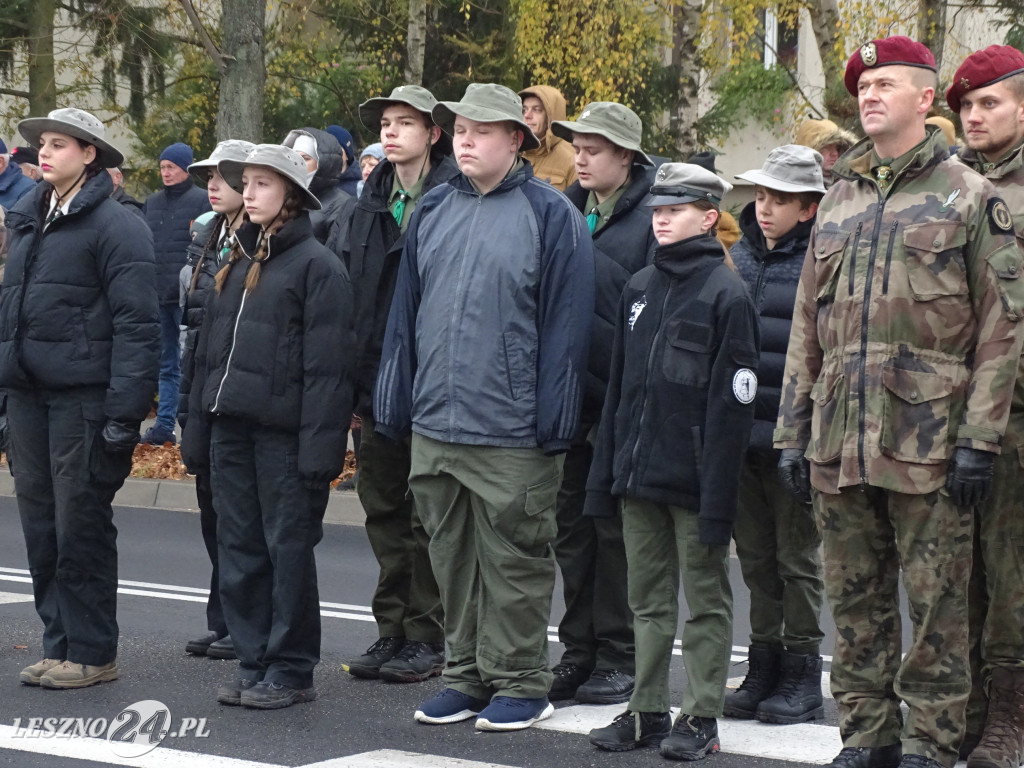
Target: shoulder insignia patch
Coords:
[(636, 309), (744, 385), (1001, 216)]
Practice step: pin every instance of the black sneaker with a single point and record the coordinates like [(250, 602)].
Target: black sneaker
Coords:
[(415, 663), (692, 738), (868, 757), (568, 677), (267, 695), (606, 686), (920, 761), (622, 735), (156, 435), (231, 692), (368, 665)]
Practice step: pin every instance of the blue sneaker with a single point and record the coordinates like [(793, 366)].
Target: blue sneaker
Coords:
[(507, 714), (449, 706)]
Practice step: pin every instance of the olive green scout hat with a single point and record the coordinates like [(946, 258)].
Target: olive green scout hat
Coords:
[(486, 103), (615, 122), (678, 183), (416, 96), (283, 160), (73, 122)]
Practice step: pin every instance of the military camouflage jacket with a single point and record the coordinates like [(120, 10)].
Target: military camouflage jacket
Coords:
[(1008, 179), (905, 334)]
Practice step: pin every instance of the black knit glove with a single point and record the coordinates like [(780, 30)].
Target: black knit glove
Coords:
[(120, 437), (795, 473), (969, 479)]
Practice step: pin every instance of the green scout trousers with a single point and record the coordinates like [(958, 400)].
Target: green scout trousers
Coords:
[(868, 533), (661, 543), (406, 602), (490, 515), (779, 550)]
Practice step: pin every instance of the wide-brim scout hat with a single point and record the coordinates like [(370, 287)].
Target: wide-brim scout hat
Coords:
[(232, 149), (415, 96), (678, 183), (486, 103), (615, 122), (274, 157), (983, 68), (898, 49), (789, 168), (73, 122)]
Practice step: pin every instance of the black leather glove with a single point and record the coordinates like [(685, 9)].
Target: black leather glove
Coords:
[(970, 476), (795, 473), (120, 436)]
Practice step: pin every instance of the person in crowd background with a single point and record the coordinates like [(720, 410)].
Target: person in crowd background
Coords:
[(552, 159), (350, 171), (27, 159), (120, 195), (14, 184), (371, 155), (828, 139)]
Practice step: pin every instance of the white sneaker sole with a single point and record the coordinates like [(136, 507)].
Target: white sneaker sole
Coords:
[(458, 717), (482, 724)]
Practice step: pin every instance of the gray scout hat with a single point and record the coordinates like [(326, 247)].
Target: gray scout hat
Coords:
[(486, 103), (73, 122), (615, 122), (232, 149), (416, 96), (282, 160), (678, 183), (789, 168)]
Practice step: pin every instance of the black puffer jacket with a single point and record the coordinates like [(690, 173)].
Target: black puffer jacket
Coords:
[(169, 213), (623, 247), (331, 222), (375, 244), (679, 408), (772, 277), (78, 307), (280, 355)]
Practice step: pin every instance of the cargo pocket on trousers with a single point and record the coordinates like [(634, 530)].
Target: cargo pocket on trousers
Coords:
[(915, 424), (538, 527)]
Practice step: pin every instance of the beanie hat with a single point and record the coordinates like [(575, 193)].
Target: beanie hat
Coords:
[(373, 150), (345, 139), (3, 147), (180, 154)]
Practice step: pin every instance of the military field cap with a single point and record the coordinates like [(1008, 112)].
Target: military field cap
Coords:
[(232, 149), (282, 160), (898, 49), (678, 183), (486, 103), (982, 68), (615, 122), (416, 96), (789, 168), (73, 122)]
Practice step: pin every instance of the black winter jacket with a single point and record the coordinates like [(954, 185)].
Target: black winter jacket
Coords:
[(680, 401), (331, 222), (78, 307), (129, 202), (623, 247), (169, 213), (772, 278), (375, 243), (281, 355)]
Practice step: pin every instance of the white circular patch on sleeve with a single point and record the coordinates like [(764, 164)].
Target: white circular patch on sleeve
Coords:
[(744, 385)]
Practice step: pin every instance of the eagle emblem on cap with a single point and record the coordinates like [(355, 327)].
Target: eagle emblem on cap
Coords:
[(965, 83), (661, 174), (869, 54)]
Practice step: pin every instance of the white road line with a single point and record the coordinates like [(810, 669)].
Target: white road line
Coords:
[(14, 597), (393, 758)]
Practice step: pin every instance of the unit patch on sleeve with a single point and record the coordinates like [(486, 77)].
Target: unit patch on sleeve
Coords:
[(636, 309), (1000, 215), (744, 385)]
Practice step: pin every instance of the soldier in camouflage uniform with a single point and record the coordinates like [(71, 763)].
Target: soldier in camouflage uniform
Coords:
[(897, 389), (988, 92)]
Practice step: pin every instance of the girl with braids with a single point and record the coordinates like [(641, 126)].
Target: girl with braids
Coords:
[(273, 375), (206, 255), (79, 355)]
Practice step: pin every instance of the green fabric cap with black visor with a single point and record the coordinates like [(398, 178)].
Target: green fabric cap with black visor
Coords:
[(415, 96), (678, 183), (486, 103), (615, 122)]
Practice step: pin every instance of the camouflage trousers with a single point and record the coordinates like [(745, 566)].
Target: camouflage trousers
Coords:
[(996, 593), (868, 533)]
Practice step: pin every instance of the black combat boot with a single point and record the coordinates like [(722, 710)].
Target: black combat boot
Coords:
[(797, 698), (1002, 741), (762, 677), (868, 757), (692, 738), (631, 730)]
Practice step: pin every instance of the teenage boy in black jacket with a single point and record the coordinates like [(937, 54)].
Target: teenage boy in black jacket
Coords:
[(672, 434)]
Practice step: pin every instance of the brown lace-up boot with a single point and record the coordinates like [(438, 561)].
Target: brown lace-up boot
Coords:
[(1002, 741)]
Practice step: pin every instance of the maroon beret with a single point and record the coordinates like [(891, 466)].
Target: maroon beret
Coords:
[(981, 68), (898, 49)]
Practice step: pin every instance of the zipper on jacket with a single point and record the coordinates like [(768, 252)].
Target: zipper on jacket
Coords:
[(452, 326), (227, 365), (865, 311), (888, 258), (633, 467)]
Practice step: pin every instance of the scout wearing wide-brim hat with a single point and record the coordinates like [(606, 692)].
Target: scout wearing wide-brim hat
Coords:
[(791, 168), (283, 160), (983, 68), (486, 103), (615, 122), (678, 183), (898, 49), (415, 96), (73, 122), (232, 149)]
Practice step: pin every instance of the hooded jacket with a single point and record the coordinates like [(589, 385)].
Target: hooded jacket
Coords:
[(680, 402), (553, 160), (78, 306), (375, 244), (331, 222), (489, 329), (279, 356), (13, 185), (169, 213)]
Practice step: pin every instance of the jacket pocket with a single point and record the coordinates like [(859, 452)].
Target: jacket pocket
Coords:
[(829, 251), (828, 418), (687, 353), (515, 364), (282, 364), (935, 265), (915, 422)]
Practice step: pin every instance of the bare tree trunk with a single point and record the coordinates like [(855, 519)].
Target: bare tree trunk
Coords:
[(931, 29), (685, 69), (825, 24), (42, 82), (417, 41), (244, 77)]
